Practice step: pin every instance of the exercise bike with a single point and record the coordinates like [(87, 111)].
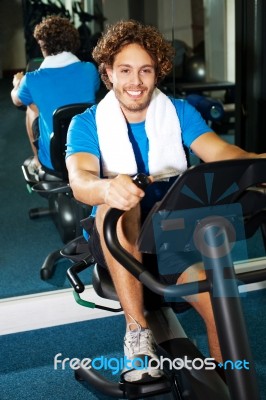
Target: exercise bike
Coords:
[(213, 206)]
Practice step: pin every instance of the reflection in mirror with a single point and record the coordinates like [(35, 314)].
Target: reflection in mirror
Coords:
[(204, 64)]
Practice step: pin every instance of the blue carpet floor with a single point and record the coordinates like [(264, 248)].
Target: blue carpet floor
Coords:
[(27, 359)]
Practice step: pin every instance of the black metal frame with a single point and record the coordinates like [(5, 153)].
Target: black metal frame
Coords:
[(250, 18)]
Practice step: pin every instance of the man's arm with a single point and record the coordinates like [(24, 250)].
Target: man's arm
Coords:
[(119, 192), (210, 147), (16, 82)]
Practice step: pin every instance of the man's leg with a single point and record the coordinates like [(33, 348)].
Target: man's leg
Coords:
[(138, 341), (128, 288), (202, 304), (32, 113)]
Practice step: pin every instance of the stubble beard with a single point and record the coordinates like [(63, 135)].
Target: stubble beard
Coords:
[(133, 106)]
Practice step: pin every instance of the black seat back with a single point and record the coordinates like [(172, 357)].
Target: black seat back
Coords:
[(61, 120)]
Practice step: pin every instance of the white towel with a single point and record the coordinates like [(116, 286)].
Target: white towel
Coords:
[(166, 153), (59, 60)]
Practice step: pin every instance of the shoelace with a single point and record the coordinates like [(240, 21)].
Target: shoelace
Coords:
[(139, 341)]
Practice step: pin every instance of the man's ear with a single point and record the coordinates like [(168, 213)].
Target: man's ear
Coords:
[(109, 72)]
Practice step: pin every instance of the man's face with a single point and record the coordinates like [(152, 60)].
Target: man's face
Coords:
[(133, 78)]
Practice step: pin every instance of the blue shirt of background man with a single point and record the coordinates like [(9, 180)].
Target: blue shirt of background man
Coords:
[(50, 88), (82, 137)]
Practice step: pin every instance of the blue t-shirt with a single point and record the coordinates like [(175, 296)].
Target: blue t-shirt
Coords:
[(82, 137), (50, 88)]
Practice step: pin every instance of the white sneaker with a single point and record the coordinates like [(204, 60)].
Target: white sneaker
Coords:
[(33, 169), (139, 344)]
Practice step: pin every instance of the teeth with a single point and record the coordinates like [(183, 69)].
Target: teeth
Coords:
[(134, 93)]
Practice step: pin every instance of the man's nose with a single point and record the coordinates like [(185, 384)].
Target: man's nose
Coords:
[(136, 78)]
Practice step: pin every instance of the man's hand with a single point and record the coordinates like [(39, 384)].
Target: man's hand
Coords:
[(16, 82), (16, 79), (122, 193)]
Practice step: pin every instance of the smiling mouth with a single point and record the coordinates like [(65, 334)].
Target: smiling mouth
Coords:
[(134, 93)]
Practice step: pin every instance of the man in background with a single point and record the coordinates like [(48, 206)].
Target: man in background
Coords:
[(61, 79)]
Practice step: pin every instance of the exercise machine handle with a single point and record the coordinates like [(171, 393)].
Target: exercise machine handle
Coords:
[(72, 273), (47, 187), (142, 181)]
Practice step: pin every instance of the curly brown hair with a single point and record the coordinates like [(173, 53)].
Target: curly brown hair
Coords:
[(57, 34), (128, 32)]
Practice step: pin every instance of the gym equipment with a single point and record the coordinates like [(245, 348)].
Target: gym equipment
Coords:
[(209, 208), (210, 109), (195, 69), (213, 110), (53, 185), (88, 39), (77, 242)]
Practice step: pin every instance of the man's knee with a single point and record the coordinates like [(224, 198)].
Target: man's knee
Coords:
[(200, 301), (128, 225), (193, 273)]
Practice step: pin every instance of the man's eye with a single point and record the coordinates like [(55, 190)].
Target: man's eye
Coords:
[(124, 71), (146, 71)]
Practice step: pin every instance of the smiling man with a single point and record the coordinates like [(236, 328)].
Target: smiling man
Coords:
[(136, 128)]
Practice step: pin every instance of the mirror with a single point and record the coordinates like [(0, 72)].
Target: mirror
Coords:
[(204, 55)]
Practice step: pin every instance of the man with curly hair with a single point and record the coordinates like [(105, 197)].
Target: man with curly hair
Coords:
[(137, 128), (60, 80)]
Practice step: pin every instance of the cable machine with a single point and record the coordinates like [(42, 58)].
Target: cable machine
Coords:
[(251, 74)]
